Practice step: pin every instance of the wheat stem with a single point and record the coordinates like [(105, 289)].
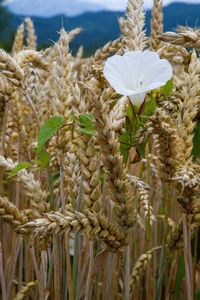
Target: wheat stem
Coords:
[(2, 277), (187, 259)]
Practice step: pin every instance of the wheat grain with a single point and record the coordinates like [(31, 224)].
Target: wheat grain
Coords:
[(185, 36), (25, 291), (31, 37), (156, 24), (31, 186), (133, 27), (10, 69), (18, 43)]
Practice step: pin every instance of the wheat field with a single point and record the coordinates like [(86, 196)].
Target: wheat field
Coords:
[(100, 195)]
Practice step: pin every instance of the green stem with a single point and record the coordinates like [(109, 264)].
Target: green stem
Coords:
[(162, 261), (76, 249), (127, 272)]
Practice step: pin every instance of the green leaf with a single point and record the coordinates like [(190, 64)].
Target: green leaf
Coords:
[(141, 148), (131, 116), (48, 130), (87, 131), (19, 167), (43, 160), (125, 145), (197, 294), (101, 177), (86, 119), (179, 275), (167, 89), (87, 124), (149, 107), (196, 142), (195, 246), (161, 210), (133, 123), (162, 263)]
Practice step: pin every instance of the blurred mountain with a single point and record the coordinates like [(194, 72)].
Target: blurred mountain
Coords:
[(50, 8), (100, 27)]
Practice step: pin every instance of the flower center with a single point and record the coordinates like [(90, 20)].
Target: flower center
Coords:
[(140, 84)]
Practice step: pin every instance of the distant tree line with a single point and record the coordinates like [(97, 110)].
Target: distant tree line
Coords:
[(6, 32)]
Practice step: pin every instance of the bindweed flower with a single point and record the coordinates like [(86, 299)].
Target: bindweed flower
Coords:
[(137, 72)]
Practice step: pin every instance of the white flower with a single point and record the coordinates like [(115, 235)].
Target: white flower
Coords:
[(135, 73)]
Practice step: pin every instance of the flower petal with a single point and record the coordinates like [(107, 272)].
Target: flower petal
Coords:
[(137, 99), (132, 61), (115, 73), (137, 62), (163, 72), (160, 71), (137, 72)]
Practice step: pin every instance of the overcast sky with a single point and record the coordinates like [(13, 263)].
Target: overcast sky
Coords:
[(121, 4)]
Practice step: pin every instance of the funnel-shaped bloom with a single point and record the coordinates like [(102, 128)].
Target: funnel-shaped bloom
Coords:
[(135, 73)]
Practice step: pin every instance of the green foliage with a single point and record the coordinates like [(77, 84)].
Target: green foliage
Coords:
[(134, 121), (43, 160), (197, 294), (180, 274), (5, 26), (167, 89), (196, 141), (195, 246), (19, 167), (162, 263), (48, 130), (95, 34), (141, 148), (87, 124), (126, 141), (149, 107)]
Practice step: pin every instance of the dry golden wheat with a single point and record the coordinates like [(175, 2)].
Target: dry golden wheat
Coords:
[(111, 182)]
